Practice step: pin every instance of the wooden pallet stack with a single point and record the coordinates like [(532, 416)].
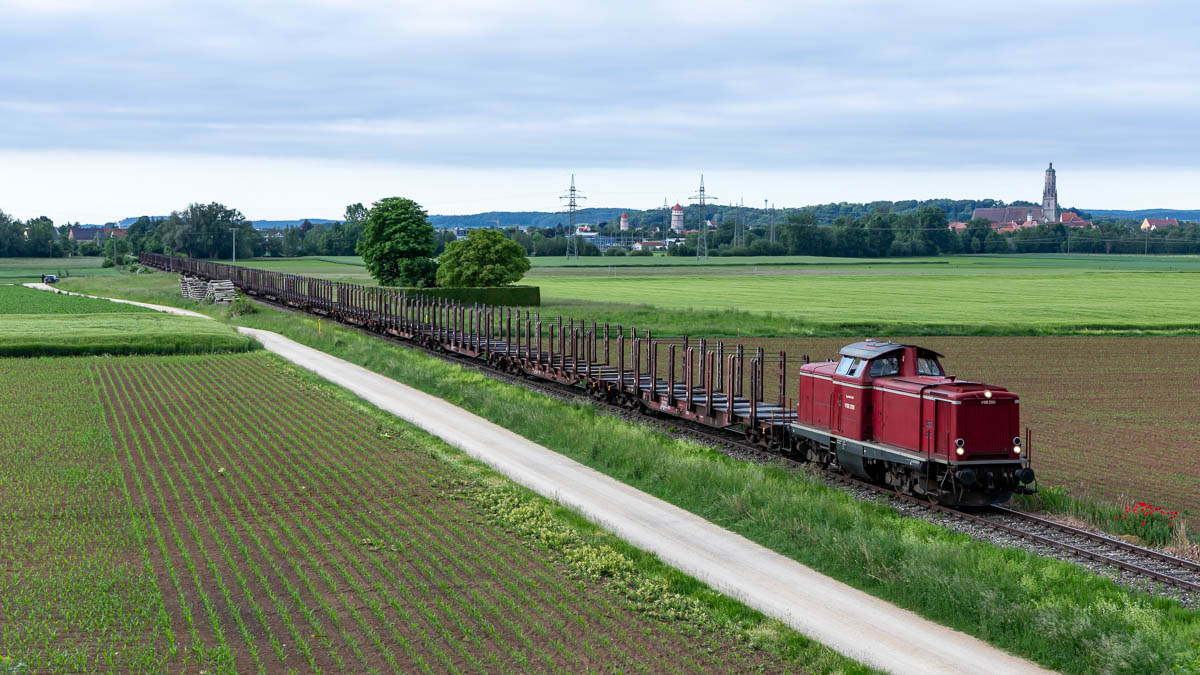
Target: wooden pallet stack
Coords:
[(221, 292)]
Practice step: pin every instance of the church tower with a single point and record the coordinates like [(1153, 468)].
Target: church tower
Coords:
[(1050, 197)]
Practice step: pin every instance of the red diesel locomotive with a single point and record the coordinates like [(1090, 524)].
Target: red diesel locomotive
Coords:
[(888, 413)]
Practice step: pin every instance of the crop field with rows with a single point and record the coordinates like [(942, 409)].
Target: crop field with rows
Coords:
[(148, 523)]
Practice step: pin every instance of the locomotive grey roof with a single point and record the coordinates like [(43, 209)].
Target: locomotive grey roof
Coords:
[(870, 349)]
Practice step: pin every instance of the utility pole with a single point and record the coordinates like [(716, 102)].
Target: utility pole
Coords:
[(770, 222), (572, 240), (702, 240), (741, 220), (233, 235)]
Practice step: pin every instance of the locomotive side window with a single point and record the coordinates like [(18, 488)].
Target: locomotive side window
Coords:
[(929, 366), (855, 368), (889, 365), (844, 365)]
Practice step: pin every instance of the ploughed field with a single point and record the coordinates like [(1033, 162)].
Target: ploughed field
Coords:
[(222, 514), (1114, 418)]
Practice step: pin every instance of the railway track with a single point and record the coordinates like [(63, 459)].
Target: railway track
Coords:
[(1129, 559)]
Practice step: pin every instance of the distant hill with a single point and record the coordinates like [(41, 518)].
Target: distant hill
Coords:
[(955, 210), (540, 219), (259, 224), (1178, 214)]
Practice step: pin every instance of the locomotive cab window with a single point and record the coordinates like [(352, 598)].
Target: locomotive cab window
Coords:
[(929, 366), (889, 365)]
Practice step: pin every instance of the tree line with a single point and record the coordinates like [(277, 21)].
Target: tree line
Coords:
[(215, 230)]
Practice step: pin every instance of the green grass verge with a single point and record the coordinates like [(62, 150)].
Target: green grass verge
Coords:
[(115, 333), (1052, 612), (593, 555)]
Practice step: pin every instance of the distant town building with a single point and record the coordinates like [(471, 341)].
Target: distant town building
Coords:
[(1008, 214), (1048, 212), (1152, 224), (83, 233), (957, 227), (624, 222), (1050, 196), (649, 245), (1072, 219), (677, 218)]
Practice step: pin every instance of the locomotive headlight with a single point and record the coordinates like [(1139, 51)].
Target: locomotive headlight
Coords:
[(1017, 449), (958, 446), (987, 393), (959, 451)]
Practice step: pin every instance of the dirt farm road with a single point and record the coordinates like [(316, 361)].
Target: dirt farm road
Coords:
[(853, 623)]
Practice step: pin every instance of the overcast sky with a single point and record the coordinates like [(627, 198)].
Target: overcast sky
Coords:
[(290, 109)]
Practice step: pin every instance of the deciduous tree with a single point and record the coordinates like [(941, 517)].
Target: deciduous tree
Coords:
[(397, 244)]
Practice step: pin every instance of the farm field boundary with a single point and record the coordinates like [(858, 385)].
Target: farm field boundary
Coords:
[(1015, 596)]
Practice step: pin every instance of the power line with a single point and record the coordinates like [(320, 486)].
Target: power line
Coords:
[(572, 240), (702, 240)]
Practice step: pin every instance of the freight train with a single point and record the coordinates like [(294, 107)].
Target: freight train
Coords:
[(882, 411)]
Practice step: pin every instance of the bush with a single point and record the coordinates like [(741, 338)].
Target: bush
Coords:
[(484, 258), (108, 262), (614, 251), (642, 253), (242, 306)]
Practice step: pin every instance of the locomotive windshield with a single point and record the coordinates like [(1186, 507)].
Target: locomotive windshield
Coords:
[(927, 365)]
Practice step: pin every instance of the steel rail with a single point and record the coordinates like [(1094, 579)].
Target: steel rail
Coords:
[(1167, 558)]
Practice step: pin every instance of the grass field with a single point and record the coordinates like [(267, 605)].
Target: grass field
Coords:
[(22, 300), (115, 333), (1038, 303), (796, 296), (227, 514), (21, 270), (40, 323)]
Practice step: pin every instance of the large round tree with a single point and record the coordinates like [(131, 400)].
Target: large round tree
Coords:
[(484, 258), (397, 244)]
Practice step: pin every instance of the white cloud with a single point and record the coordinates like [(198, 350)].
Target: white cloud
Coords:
[(791, 87)]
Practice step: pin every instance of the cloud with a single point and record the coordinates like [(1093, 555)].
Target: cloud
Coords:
[(552, 85)]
